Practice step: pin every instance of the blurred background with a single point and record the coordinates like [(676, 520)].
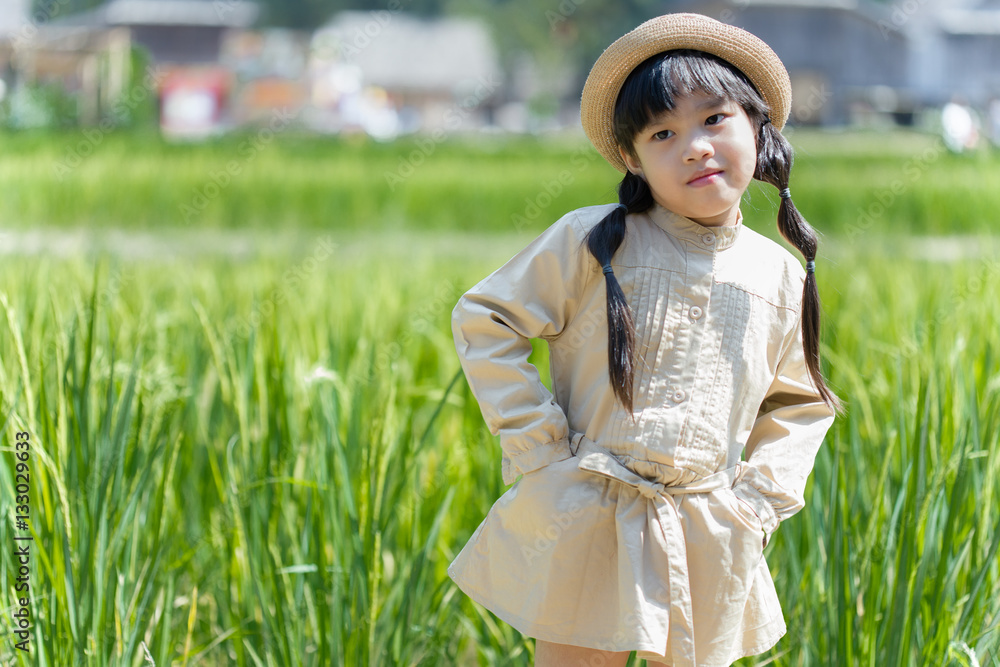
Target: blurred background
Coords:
[(292, 115), (394, 68), (232, 235)]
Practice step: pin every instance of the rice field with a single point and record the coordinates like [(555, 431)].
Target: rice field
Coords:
[(265, 181), (264, 452)]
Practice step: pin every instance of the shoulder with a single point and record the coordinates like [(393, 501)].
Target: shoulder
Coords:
[(582, 220), (558, 252), (569, 233), (779, 257), (767, 268)]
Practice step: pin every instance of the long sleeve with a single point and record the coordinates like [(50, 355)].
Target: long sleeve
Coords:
[(534, 295), (781, 448)]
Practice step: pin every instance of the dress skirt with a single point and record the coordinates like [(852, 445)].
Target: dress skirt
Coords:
[(605, 552)]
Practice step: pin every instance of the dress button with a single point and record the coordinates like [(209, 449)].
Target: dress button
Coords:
[(695, 313), (679, 396), (708, 238)]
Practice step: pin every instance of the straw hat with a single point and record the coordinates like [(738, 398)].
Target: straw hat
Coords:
[(677, 31)]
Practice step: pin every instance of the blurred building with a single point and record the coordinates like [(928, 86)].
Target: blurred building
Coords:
[(89, 54), (173, 31), (270, 70), (968, 39), (13, 21), (850, 61), (388, 73), (381, 72)]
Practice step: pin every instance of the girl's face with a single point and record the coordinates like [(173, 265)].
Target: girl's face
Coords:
[(698, 159)]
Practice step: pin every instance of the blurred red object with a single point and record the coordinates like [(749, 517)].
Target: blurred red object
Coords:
[(193, 101)]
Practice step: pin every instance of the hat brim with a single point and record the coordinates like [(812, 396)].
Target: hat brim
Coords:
[(745, 51)]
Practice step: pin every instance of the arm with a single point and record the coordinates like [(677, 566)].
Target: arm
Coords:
[(534, 295), (782, 445)]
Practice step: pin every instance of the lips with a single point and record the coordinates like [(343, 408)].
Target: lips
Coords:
[(704, 177)]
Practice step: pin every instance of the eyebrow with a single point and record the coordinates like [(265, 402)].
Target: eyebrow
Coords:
[(711, 102)]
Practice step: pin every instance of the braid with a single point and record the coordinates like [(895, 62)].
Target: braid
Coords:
[(774, 166), (653, 88), (603, 241)]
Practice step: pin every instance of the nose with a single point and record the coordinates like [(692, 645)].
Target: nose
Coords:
[(698, 148)]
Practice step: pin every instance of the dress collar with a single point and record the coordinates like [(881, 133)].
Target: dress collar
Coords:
[(689, 230)]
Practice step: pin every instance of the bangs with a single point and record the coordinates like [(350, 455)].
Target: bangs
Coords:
[(656, 84)]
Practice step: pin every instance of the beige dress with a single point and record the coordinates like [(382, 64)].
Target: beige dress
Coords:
[(641, 534)]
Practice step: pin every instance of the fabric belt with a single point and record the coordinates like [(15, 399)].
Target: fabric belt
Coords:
[(670, 537)]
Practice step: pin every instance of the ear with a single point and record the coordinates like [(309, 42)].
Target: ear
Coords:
[(631, 163)]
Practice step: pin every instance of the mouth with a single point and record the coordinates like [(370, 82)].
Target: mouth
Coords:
[(705, 177)]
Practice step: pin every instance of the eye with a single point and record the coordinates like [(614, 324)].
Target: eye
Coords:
[(663, 134), (715, 119)]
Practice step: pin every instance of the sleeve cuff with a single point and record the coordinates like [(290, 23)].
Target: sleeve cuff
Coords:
[(758, 502), (532, 459)]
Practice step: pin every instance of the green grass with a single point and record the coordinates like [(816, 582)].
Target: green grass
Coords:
[(264, 181), (270, 460), (291, 493)]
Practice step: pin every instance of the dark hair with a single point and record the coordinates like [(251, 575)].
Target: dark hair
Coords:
[(651, 89)]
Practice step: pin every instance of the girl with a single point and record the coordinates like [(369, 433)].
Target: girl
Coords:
[(678, 340)]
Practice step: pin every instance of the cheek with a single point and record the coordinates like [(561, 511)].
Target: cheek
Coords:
[(744, 149), (747, 160), (750, 166)]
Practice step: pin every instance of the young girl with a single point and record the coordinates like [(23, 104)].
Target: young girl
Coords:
[(679, 339)]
